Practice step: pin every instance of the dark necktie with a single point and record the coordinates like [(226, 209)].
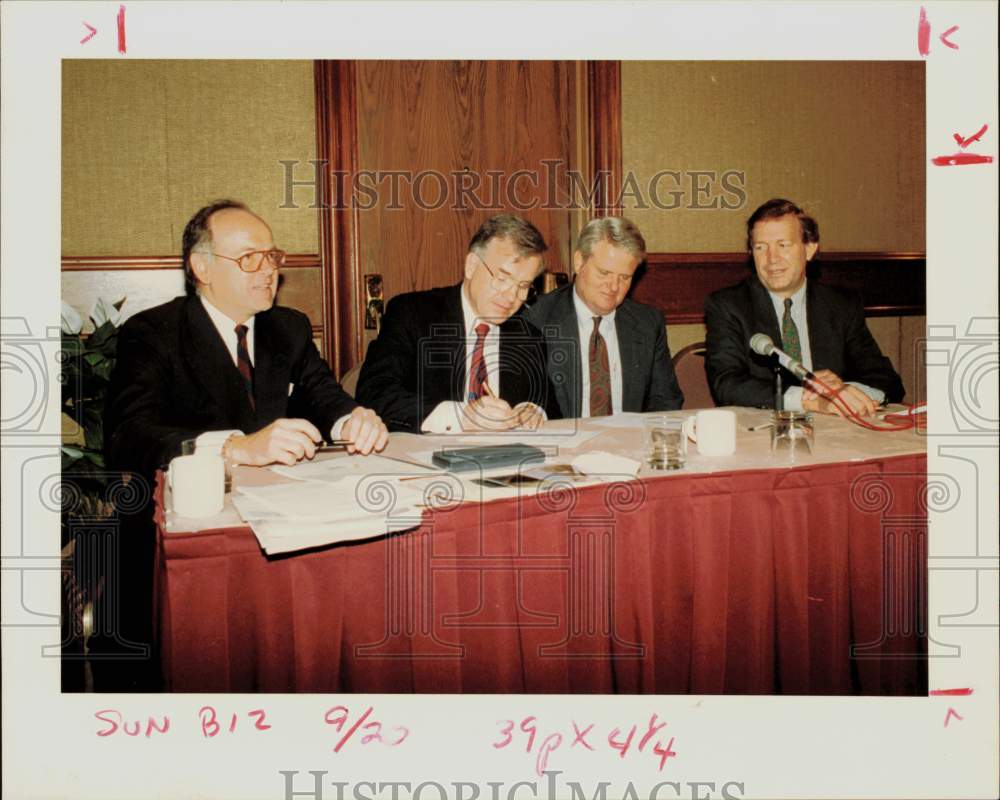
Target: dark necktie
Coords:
[(600, 374), (477, 369), (243, 361), (790, 333)]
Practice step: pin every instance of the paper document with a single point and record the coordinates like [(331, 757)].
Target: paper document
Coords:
[(315, 512)]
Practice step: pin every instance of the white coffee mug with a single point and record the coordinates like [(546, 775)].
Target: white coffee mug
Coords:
[(197, 485), (714, 431)]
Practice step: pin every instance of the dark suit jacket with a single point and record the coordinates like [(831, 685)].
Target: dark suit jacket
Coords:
[(648, 380), (418, 360), (174, 379), (839, 341)]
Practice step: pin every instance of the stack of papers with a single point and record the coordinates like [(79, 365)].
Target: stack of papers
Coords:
[(329, 502)]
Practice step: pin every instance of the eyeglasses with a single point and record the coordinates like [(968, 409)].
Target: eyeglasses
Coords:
[(503, 283), (252, 262)]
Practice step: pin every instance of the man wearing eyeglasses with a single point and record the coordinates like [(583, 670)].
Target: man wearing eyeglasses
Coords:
[(461, 357), (606, 353), (225, 365)]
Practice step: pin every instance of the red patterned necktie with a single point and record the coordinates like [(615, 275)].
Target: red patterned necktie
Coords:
[(600, 374), (243, 361), (477, 369)]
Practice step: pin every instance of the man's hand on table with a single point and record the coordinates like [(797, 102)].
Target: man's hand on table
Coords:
[(287, 441), (493, 414), (284, 441), (364, 431), (529, 416), (859, 402)]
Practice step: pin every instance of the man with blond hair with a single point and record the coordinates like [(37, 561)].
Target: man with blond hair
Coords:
[(606, 353)]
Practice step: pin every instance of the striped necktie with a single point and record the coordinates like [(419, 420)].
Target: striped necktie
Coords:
[(243, 362), (477, 369), (790, 333), (600, 374)]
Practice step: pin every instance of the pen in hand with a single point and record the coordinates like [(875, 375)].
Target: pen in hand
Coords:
[(336, 446)]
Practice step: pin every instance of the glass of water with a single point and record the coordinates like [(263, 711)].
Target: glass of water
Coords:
[(665, 443), (792, 434)]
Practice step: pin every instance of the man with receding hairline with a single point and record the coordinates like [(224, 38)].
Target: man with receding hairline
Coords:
[(462, 357), (224, 365)]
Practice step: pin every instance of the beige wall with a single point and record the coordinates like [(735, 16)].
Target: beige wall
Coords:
[(146, 143), (844, 139)]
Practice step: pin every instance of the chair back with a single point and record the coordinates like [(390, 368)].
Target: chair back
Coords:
[(350, 379), (689, 366)]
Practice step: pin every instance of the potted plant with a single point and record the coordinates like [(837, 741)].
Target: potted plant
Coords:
[(86, 365), (87, 362)]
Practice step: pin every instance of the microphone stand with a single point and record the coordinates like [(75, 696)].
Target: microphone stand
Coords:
[(779, 393)]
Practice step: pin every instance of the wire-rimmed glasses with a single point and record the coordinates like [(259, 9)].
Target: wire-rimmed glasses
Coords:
[(503, 282), (254, 260)]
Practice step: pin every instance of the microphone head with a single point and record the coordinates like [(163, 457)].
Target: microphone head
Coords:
[(761, 344)]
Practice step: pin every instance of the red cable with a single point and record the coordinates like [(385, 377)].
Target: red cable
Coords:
[(900, 421)]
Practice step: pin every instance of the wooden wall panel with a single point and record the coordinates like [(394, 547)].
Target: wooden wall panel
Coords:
[(891, 284), (463, 120)]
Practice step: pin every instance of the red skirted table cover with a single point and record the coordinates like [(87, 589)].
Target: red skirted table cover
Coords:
[(810, 580)]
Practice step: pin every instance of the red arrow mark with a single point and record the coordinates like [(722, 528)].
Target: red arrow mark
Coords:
[(89, 36), (923, 33), (944, 37), (121, 29), (950, 692), (963, 143), (951, 712)]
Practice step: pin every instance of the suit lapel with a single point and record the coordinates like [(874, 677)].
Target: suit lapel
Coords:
[(565, 368), (821, 337), (453, 322), (629, 345), (271, 369), (763, 313), (213, 366)]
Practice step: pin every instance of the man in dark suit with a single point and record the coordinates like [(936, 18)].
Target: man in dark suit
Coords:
[(607, 353), (225, 365), (459, 358), (820, 326)]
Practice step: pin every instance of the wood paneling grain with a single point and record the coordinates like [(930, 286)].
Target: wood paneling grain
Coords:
[(337, 146), (457, 135), (891, 284), (605, 118)]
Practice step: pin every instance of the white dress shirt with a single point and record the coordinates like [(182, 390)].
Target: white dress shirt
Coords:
[(446, 417), (212, 441), (608, 331), (793, 394)]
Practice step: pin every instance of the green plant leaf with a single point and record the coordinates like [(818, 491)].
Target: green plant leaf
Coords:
[(93, 435), (72, 345), (70, 456), (99, 336), (103, 370)]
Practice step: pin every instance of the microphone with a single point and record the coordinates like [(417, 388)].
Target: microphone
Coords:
[(762, 345)]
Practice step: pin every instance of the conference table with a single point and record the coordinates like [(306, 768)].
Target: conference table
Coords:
[(745, 574)]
